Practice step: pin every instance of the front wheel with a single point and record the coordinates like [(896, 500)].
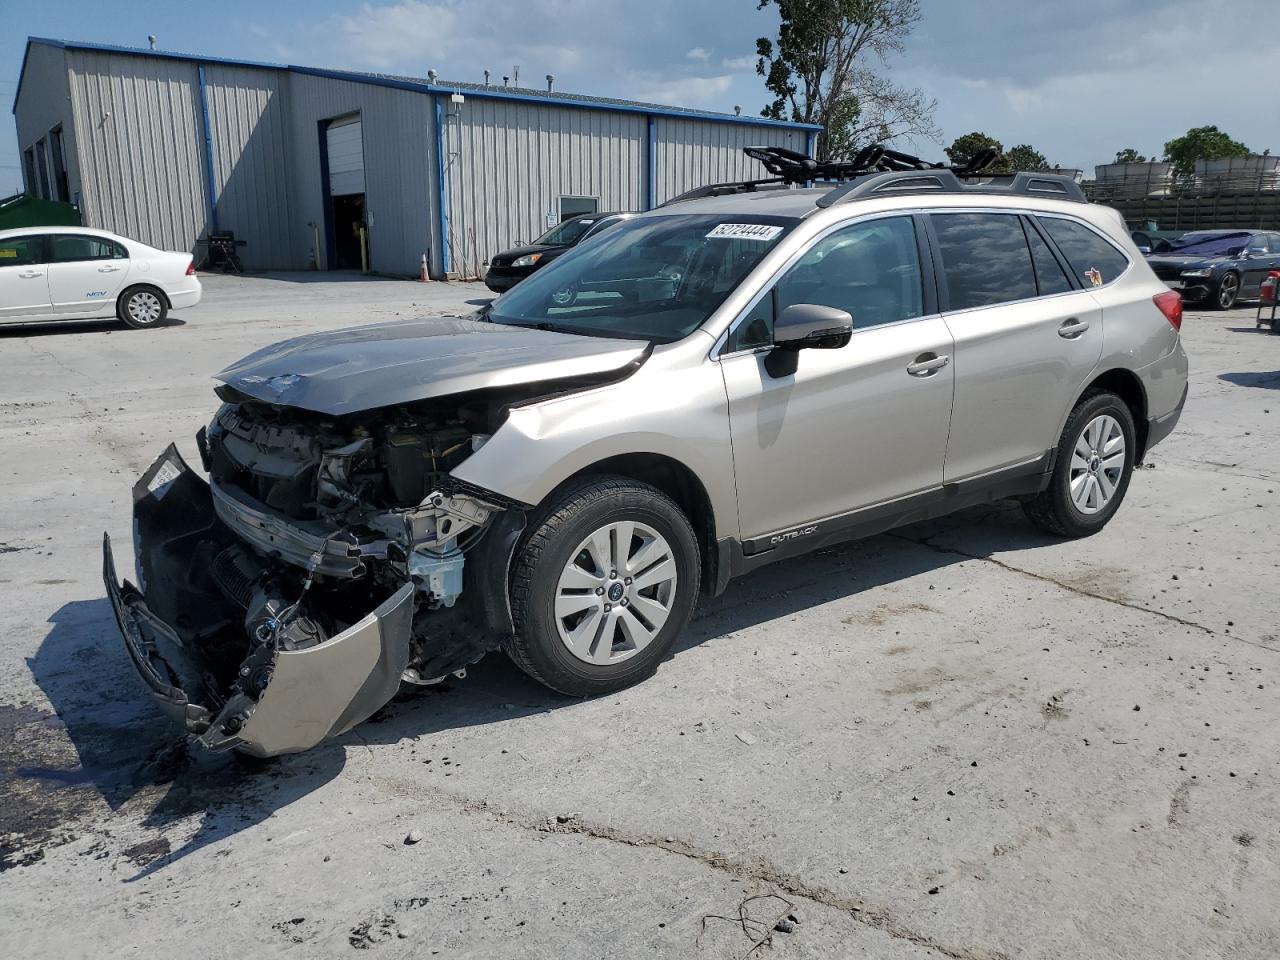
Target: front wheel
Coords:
[(1228, 291), (602, 586), (1092, 471), (141, 308)]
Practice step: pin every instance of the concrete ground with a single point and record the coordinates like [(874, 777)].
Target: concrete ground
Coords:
[(959, 740)]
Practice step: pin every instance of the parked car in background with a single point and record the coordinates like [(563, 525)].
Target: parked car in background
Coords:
[(1218, 267), (1154, 241), (77, 273), (724, 382), (511, 266)]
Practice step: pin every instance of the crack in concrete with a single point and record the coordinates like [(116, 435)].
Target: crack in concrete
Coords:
[(1080, 591), (753, 868)]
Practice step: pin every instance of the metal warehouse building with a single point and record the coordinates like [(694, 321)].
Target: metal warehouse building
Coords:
[(166, 148)]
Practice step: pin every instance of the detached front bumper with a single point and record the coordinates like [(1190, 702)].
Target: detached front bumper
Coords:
[(180, 637)]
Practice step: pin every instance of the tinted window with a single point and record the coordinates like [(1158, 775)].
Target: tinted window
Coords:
[(68, 248), (1094, 260), (1258, 244), (567, 233), (21, 251), (984, 258), (870, 270), (1050, 277)]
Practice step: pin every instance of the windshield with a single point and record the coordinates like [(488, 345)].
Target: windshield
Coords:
[(652, 278), (567, 233), (1210, 244)]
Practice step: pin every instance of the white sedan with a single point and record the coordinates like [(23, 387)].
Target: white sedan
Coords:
[(76, 273)]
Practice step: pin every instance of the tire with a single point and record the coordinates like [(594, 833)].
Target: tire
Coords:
[(1082, 468), (1227, 292), (142, 307), (560, 604)]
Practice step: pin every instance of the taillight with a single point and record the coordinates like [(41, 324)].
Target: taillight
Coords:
[(191, 269), (1170, 304)]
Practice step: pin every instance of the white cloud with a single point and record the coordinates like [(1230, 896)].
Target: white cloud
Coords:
[(738, 64), (689, 91), (699, 53)]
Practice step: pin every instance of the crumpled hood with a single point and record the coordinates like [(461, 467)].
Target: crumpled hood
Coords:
[(383, 364)]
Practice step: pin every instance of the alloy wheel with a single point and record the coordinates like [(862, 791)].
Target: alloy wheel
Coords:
[(615, 593), (144, 307), (1097, 464), (1228, 290)]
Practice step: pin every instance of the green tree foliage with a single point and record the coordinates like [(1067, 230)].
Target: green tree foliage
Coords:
[(1129, 155), (1024, 157), (1200, 143), (826, 66), (965, 148)]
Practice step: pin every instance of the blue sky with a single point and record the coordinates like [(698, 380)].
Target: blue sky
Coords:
[(1077, 79)]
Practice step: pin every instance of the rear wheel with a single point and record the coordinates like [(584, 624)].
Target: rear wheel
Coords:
[(1228, 291), (1092, 471), (602, 586), (142, 307)]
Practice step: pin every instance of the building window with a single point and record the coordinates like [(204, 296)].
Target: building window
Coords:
[(42, 169), (60, 188), (577, 206), (29, 170)]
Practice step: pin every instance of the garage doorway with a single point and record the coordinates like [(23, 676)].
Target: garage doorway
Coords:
[(347, 215), (577, 206)]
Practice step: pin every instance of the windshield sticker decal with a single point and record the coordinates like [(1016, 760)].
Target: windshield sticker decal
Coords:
[(744, 231), (1094, 275)]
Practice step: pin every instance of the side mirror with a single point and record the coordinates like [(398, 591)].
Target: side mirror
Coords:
[(1144, 250), (804, 326)]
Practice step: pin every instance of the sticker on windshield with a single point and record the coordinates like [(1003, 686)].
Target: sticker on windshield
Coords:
[(744, 231)]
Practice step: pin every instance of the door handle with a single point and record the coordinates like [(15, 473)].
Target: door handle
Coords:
[(927, 364), (1072, 328), (31, 275), (108, 269)]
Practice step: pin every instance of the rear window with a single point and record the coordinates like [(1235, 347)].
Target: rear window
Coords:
[(68, 248), (985, 258), (1095, 261)]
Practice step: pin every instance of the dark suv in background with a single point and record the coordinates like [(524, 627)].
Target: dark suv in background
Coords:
[(509, 267), (1219, 267)]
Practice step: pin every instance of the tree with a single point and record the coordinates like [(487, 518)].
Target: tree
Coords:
[(826, 67), (1200, 143), (965, 148), (1024, 157), (1129, 155)]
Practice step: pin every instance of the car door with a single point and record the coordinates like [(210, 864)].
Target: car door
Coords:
[(854, 426), (85, 274), (1026, 337), (24, 279), (1258, 258)]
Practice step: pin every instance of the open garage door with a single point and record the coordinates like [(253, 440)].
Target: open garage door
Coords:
[(344, 144)]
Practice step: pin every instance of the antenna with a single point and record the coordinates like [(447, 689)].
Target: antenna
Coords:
[(515, 75), (486, 78), (551, 79), (151, 41)]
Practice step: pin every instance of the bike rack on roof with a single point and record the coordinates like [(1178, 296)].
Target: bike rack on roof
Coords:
[(877, 171)]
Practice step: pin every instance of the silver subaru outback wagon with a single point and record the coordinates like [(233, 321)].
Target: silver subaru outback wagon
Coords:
[(745, 374)]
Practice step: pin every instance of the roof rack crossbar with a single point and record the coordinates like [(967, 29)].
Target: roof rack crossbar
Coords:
[(1025, 183)]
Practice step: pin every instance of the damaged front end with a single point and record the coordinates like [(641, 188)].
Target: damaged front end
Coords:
[(319, 568)]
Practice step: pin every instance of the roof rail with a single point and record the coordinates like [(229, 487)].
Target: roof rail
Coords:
[(896, 183), (879, 171)]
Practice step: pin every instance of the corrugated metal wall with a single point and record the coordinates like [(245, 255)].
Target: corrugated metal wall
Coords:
[(400, 171), (43, 106), (140, 147), (249, 128), (509, 163), (690, 153)]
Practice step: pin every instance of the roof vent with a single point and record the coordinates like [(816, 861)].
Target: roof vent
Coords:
[(486, 78), (551, 80), (432, 75), (737, 109), (151, 41)]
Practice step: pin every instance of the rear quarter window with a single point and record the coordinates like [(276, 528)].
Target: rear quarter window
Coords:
[(1094, 260)]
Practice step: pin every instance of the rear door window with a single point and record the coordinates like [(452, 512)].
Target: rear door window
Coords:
[(985, 258), (1095, 261), (72, 248), (1050, 277)]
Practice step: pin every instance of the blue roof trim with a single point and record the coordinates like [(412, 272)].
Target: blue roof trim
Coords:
[(356, 77)]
